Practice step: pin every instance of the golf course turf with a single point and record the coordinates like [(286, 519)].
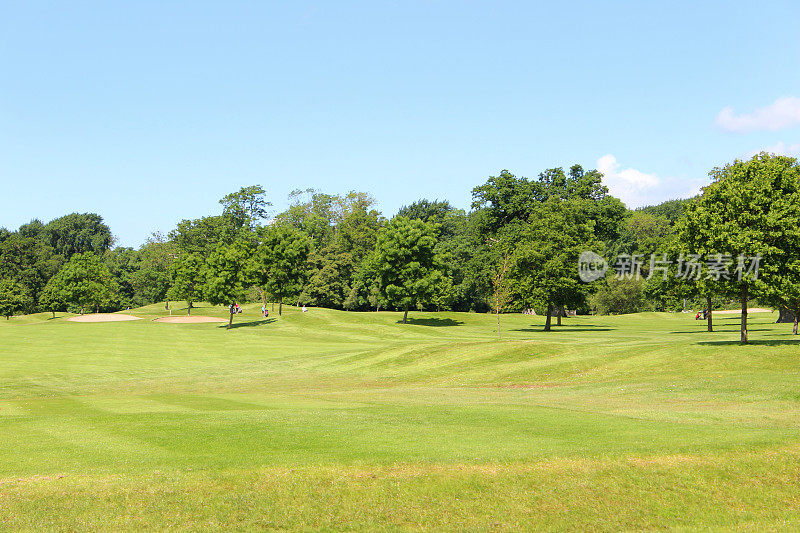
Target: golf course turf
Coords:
[(338, 420)]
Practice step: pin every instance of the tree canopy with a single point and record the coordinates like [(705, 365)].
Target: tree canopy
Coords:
[(405, 263), (279, 264), (227, 275), (14, 298), (742, 215), (339, 251), (246, 207), (546, 255), (84, 282)]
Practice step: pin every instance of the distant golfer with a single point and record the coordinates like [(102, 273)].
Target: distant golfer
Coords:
[(304, 308)]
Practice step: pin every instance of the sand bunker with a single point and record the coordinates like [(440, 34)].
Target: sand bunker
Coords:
[(103, 317), (739, 311), (189, 319)]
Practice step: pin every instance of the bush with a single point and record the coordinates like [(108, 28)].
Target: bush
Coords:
[(619, 296)]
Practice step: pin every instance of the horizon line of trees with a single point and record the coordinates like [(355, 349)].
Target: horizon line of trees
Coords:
[(516, 249)]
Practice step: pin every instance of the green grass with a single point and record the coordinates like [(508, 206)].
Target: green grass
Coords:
[(334, 420)]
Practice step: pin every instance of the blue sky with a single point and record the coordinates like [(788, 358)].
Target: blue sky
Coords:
[(149, 112)]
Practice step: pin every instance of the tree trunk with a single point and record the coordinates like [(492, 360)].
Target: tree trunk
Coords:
[(280, 305), (549, 316), (230, 320), (559, 312), (54, 313), (189, 309), (794, 328), (786, 316), (499, 336), (405, 315), (743, 339), (708, 316)]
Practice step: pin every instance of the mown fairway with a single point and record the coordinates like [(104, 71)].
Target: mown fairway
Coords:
[(333, 420)]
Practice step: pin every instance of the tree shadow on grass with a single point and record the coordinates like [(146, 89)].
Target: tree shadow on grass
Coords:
[(433, 322), (566, 328), (250, 324), (795, 342), (717, 330)]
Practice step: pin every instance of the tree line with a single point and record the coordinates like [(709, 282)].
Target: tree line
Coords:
[(516, 248)]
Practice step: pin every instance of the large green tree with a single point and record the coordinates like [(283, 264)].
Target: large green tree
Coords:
[(85, 282), (14, 298), (227, 275), (334, 265), (280, 262), (313, 212), (27, 261), (780, 271), (508, 198), (246, 207), (547, 249), (203, 235), (427, 211), (188, 279), (77, 233), (744, 214), (124, 264), (54, 296), (404, 263), (153, 278)]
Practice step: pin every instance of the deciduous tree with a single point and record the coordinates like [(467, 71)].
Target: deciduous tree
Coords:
[(188, 279), (14, 297), (246, 207), (85, 282), (78, 233), (279, 264), (227, 275), (743, 214), (546, 256), (404, 263)]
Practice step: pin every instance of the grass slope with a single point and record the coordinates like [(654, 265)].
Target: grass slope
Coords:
[(334, 420)]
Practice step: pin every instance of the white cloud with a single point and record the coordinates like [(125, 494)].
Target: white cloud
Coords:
[(784, 149), (637, 189), (792, 150), (629, 185), (781, 114)]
